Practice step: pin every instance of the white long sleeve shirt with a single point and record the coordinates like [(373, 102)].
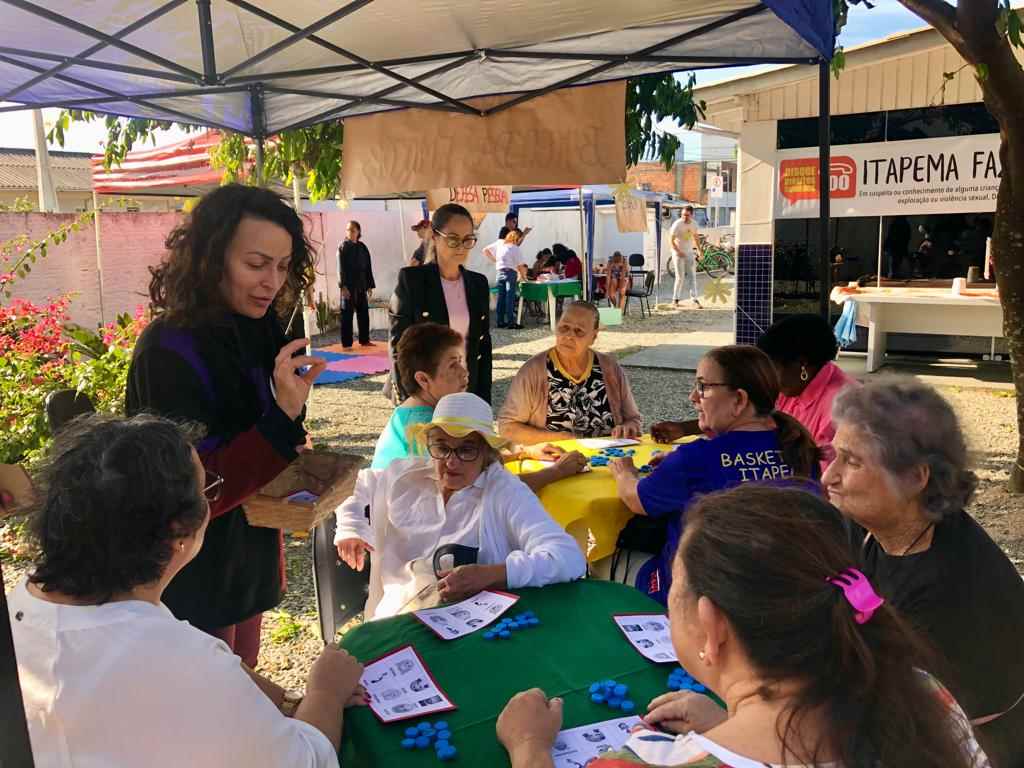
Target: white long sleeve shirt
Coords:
[(498, 514), (126, 684)]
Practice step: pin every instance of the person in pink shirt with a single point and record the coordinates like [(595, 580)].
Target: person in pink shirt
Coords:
[(803, 349)]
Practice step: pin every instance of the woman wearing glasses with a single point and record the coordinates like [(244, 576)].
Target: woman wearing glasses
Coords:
[(108, 675), (459, 495), (734, 395), (444, 291), (216, 355)]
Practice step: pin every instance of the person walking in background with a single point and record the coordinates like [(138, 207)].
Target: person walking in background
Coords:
[(685, 249), (511, 267), (355, 276), (419, 256)]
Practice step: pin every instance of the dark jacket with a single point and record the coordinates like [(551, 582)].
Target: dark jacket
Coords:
[(966, 598), (419, 298), (218, 375), (355, 271)]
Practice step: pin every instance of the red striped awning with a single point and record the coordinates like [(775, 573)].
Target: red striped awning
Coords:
[(183, 164)]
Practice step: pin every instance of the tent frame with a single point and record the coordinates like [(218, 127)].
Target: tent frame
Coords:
[(14, 741)]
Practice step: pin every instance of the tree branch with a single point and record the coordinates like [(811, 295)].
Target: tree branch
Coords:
[(942, 16)]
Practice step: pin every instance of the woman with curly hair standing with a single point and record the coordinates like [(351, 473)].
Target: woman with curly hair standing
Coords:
[(216, 355)]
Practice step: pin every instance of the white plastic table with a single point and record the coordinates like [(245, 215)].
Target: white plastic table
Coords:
[(922, 310)]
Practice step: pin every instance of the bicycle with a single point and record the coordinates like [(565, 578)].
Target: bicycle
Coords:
[(713, 261)]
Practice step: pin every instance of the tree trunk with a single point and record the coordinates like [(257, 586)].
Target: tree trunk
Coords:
[(971, 29)]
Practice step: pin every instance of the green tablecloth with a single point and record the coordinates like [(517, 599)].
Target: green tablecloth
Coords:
[(576, 644), (538, 291)]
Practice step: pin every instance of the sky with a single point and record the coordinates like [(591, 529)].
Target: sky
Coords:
[(886, 18)]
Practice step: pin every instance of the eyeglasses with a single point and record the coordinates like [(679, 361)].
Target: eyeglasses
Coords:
[(213, 487), (454, 241), (700, 386), (465, 452)]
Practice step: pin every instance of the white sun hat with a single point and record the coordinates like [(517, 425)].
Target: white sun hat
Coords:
[(460, 414)]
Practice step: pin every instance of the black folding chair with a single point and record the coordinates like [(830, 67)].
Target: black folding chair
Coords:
[(63, 405), (643, 294), (340, 591)]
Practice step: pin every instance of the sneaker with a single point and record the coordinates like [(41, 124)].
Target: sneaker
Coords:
[(365, 343), (675, 302), (516, 327), (696, 303)]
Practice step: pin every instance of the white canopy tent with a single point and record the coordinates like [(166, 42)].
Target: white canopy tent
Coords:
[(264, 66), (259, 68)]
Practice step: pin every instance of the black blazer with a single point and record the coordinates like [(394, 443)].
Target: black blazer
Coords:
[(355, 270), (419, 298)]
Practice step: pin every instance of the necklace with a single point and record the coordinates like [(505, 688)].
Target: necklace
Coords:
[(919, 537)]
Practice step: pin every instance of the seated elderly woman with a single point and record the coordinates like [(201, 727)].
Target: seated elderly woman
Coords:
[(461, 495), (901, 477), (811, 672), (802, 348), (431, 359), (570, 390), (108, 675), (734, 396)]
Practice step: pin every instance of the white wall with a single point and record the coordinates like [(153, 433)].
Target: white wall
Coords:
[(756, 192)]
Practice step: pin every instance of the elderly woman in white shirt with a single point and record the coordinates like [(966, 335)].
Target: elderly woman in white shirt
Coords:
[(461, 495), (108, 675)]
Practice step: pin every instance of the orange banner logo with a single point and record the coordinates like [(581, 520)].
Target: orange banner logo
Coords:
[(798, 179)]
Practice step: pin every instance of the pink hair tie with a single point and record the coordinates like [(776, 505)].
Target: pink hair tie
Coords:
[(858, 592)]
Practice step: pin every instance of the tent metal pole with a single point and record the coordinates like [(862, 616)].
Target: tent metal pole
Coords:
[(411, 82), (444, 68), (587, 262), (111, 67), (824, 184), (206, 41), (736, 61), (711, 27), (114, 96), (111, 40), (336, 69), (67, 62), (99, 252), (297, 36), (258, 127)]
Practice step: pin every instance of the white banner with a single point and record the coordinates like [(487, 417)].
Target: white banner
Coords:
[(950, 175)]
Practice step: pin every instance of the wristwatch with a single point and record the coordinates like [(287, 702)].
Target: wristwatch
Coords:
[(291, 702)]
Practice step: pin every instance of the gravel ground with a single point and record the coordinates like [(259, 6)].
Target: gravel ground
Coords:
[(349, 417)]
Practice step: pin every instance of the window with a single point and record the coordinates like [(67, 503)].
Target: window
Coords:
[(846, 129), (937, 122)]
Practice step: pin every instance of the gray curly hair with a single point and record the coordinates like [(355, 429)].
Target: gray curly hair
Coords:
[(909, 425)]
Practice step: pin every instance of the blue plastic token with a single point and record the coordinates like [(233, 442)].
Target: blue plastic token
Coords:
[(593, 689), (408, 743), (597, 698), (627, 705), (423, 742), (504, 633), (533, 622), (447, 754), (441, 744), (621, 690), (444, 735), (614, 702), (440, 725), (488, 635), (412, 733)]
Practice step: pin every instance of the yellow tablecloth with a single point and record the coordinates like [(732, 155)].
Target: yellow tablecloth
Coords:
[(587, 505)]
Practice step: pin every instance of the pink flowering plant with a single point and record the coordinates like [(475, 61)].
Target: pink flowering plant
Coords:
[(41, 351)]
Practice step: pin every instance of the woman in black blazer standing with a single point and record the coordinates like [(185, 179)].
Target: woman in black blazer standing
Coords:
[(444, 291)]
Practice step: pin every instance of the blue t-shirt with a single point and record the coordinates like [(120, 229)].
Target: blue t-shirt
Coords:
[(699, 468), (393, 443)]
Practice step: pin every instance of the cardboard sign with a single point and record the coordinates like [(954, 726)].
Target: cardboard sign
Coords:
[(630, 213), (474, 199), (568, 137)]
